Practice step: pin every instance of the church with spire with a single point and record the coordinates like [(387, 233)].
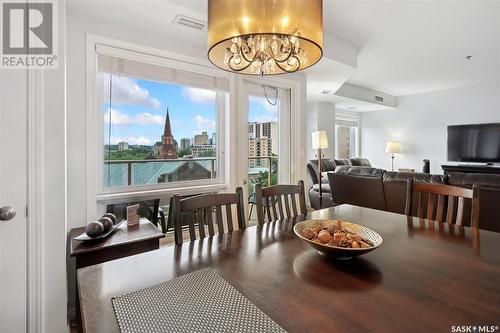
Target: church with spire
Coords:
[(168, 150)]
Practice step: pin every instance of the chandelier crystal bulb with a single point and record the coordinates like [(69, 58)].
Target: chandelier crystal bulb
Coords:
[(265, 37), (274, 46)]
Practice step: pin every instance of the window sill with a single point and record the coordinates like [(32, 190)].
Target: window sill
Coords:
[(136, 195)]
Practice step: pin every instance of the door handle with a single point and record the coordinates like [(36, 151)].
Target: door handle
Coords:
[(7, 213)]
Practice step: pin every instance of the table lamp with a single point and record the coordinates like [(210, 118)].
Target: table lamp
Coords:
[(393, 148), (319, 141)]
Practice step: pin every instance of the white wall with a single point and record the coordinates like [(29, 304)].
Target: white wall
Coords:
[(420, 122)]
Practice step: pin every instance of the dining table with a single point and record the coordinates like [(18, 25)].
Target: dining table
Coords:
[(425, 277)]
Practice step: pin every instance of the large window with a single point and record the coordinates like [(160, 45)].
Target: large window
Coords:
[(159, 125)]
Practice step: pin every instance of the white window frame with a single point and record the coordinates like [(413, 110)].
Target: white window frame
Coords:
[(96, 192)]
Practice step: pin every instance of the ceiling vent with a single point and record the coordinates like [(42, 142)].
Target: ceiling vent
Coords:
[(379, 99), (190, 22)]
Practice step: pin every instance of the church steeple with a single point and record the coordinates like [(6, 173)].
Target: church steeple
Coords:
[(167, 131), (168, 151)]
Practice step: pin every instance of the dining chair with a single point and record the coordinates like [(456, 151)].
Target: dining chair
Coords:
[(484, 208), (449, 206), (252, 201), (198, 211), (282, 196)]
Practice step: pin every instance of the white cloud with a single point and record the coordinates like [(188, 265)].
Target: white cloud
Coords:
[(265, 119), (127, 91), (140, 140), (117, 118), (203, 123), (145, 118), (114, 140), (149, 119), (263, 101), (198, 95), (133, 140)]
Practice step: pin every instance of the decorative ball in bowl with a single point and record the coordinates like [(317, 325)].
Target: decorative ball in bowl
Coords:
[(336, 238)]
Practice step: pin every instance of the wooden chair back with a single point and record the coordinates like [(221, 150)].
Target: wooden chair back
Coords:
[(485, 208), (439, 202), (275, 201), (198, 212)]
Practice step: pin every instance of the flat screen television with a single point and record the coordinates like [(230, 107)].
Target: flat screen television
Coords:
[(474, 143)]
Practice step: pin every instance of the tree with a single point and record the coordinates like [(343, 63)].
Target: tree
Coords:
[(263, 175), (207, 153), (183, 152), (126, 155), (262, 178)]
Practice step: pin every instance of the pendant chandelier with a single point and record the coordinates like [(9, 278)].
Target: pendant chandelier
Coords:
[(265, 37)]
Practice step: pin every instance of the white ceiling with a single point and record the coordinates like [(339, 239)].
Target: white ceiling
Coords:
[(148, 17), (408, 47), (405, 47), (327, 75)]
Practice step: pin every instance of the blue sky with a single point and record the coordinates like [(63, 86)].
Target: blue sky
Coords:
[(138, 110)]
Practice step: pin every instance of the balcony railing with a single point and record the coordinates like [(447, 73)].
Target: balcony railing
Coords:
[(268, 164), (142, 172)]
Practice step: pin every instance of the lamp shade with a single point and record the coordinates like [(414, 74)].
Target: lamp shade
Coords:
[(319, 140), (393, 147), (265, 37)]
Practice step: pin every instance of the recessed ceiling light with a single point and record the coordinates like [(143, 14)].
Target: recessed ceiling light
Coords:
[(351, 108)]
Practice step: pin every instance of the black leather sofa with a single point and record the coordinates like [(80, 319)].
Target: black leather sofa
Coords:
[(375, 188), (386, 190), (328, 164)]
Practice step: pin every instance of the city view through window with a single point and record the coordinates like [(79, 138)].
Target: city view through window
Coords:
[(157, 132), (263, 142)]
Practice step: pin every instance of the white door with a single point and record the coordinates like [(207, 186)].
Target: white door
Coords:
[(13, 184)]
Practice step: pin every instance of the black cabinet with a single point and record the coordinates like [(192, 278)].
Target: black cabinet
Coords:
[(471, 168)]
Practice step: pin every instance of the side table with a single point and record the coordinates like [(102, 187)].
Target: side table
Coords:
[(125, 241)]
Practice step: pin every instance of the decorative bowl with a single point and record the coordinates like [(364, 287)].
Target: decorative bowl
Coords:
[(335, 251), (85, 238)]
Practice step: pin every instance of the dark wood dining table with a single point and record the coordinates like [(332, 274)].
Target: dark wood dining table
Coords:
[(425, 277)]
